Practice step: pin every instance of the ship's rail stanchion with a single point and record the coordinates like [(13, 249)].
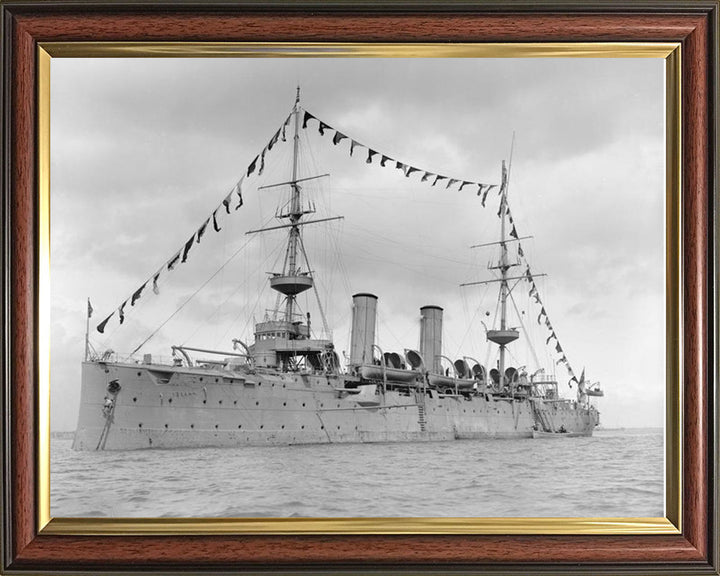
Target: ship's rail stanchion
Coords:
[(384, 368)]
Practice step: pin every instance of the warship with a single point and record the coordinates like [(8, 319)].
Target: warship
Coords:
[(290, 387)]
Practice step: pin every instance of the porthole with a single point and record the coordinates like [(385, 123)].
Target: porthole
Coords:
[(257, 403), (170, 400), (219, 401), (166, 425), (302, 427), (216, 426), (192, 425), (282, 427), (261, 426), (284, 403), (303, 404), (239, 426), (139, 373), (201, 379), (216, 379), (135, 399), (204, 401), (235, 402), (140, 425)]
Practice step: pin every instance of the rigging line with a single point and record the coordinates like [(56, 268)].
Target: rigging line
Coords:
[(308, 155), (488, 349), (507, 183), (381, 322), (284, 269), (229, 193), (527, 336), (551, 356), (334, 238), (242, 247), (315, 290), (219, 306), (417, 270), (373, 235), (515, 359), (466, 305), (469, 328), (249, 316)]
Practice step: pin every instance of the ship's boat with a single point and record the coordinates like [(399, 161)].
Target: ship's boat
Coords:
[(288, 386), (555, 435)]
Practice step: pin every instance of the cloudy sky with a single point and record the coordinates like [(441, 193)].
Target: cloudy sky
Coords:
[(143, 150)]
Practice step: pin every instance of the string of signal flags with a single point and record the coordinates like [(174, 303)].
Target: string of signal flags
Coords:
[(386, 161), (257, 167), (182, 254), (543, 317)]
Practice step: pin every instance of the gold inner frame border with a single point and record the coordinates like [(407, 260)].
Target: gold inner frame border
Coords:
[(670, 524)]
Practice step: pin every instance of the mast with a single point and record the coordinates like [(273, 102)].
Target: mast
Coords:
[(292, 281), (504, 335), (295, 213), (296, 275), (503, 278)]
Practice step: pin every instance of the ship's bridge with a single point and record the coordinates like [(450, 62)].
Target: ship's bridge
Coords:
[(271, 329), (279, 343)]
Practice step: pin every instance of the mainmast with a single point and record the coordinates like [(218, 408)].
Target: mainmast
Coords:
[(503, 280), (504, 335)]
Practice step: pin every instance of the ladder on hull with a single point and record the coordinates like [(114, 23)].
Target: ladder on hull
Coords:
[(542, 417), (420, 400)]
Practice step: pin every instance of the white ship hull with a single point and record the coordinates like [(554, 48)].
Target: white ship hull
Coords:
[(161, 406)]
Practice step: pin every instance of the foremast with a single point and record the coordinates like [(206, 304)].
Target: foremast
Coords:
[(284, 339), (292, 281)]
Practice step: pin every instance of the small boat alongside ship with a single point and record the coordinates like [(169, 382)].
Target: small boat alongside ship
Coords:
[(289, 386)]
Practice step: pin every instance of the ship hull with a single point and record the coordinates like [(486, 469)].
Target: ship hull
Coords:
[(160, 406)]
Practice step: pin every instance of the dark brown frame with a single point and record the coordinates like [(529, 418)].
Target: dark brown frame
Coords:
[(692, 23)]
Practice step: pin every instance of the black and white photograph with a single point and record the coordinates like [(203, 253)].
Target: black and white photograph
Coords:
[(358, 287)]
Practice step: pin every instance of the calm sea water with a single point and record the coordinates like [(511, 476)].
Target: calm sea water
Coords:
[(613, 473)]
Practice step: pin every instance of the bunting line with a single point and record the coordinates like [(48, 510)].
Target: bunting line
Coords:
[(181, 256), (386, 160), (535, 294)]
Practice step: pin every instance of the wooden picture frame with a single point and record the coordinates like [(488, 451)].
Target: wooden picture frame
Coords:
[(29, 546)]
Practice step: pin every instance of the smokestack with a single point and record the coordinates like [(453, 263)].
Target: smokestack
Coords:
[(362, 336), (431, 337)]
